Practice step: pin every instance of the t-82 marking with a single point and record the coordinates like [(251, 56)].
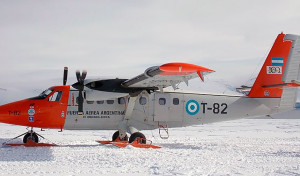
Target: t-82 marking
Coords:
[(216, 108), (192, 107)]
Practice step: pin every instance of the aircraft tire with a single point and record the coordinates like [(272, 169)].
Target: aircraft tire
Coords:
[(136, 136), (116, 135), (32, 137)]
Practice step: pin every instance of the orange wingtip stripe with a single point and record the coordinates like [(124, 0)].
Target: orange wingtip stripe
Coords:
[(183, 68)]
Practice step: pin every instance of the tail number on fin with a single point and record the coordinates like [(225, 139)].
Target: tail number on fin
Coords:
[(274, 70)]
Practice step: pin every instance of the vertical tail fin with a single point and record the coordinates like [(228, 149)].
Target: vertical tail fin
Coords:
[(269, 82), (280, 72)]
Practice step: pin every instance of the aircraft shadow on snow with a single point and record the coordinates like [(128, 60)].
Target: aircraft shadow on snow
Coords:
[(8, 153), (24, 153)]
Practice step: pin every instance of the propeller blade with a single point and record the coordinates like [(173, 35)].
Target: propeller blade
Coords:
[(84, 73), (78, 75), (80, 86), (80, 103), (65, 76)]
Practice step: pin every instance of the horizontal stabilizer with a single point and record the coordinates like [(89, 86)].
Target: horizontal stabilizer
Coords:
[(293, 83)]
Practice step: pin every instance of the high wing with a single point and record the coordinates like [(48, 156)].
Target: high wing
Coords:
[(166, 75)]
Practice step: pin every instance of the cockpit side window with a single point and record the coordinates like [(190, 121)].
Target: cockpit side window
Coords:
[(43, 95), (56, 96)]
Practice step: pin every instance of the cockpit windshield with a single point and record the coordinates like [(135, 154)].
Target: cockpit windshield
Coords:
[(44, 94)]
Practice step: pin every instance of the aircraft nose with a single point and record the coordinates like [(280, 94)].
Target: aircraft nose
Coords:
[(12, 113), (4, 114)]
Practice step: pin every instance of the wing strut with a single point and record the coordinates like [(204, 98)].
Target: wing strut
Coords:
[(130, 107)]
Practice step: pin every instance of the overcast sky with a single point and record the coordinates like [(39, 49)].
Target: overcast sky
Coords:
[(123, 38)]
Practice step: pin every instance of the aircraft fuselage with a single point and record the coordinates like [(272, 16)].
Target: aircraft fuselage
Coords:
[(58, 109), (177, 109)]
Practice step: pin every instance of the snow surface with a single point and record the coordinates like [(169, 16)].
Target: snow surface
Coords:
[(242, 147)]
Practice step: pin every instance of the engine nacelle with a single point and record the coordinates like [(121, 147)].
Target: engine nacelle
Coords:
[(96, 95)]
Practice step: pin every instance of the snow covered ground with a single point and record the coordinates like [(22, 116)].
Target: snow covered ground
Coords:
[(242, 147)]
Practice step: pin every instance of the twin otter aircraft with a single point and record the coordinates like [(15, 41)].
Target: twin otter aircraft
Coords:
[(140, 103)]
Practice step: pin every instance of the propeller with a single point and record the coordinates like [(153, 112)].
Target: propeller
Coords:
[(80, 86), (65, 76)]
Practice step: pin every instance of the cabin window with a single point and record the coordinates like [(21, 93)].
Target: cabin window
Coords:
[(143, 100), (100, 102), (162, 101), (90, 102), (110, 101), (121, 100), (56, 96), (175, 101)]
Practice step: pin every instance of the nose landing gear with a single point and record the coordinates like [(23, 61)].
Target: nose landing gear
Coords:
[(31, 136), (30, 139)]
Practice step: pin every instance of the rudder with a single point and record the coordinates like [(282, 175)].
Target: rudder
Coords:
[(289, 95)]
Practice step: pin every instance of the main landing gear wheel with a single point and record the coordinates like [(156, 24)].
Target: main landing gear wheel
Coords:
[(31, 136), (116, 135), (136, 136)]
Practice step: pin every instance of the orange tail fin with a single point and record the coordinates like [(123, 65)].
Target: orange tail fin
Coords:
[(272, 71)]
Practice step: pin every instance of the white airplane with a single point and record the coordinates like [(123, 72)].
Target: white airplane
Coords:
[(140, 103)]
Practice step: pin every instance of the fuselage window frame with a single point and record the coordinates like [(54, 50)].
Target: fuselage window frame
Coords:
[(110, 101), (162, 101), (100, 102), (90, 102), (143, 100), (175, 101), (121, 100)]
